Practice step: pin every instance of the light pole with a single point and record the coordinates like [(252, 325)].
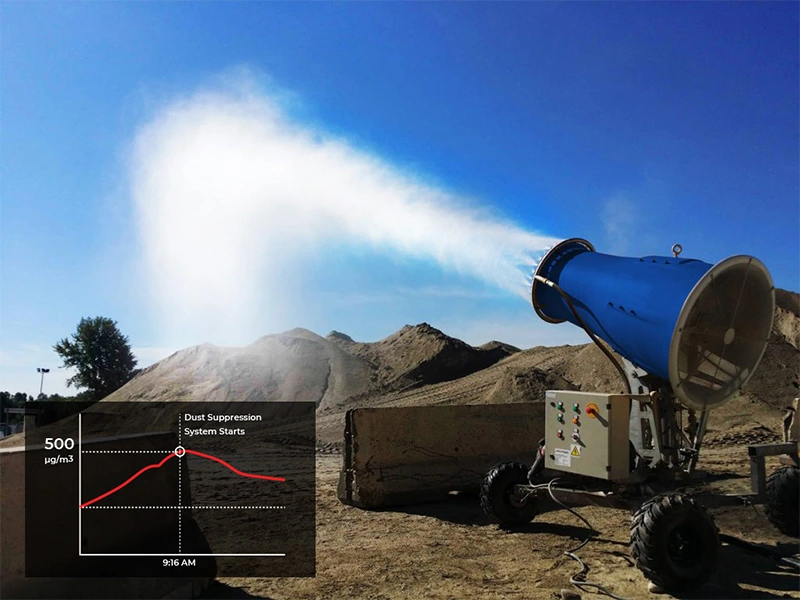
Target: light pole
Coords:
[(41, 370)]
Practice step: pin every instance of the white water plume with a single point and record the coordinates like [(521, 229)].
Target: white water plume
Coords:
[(231, 195)]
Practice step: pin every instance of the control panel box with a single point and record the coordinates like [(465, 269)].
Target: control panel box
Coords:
[(587, 434)]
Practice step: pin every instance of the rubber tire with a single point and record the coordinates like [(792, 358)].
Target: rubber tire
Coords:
[(652, 529), (783, 499), (495, 495)]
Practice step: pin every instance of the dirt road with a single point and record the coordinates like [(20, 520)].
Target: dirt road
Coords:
[(449, 551)]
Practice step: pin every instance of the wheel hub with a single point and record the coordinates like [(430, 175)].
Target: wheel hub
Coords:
[(684, 547)]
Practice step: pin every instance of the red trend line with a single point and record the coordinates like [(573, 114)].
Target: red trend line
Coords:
[(234, 469), (122, 485), (166, 458)]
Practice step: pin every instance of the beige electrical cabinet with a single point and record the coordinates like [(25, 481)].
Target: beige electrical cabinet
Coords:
[(587, 434)]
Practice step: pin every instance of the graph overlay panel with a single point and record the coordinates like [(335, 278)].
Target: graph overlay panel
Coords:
[(179, 488)]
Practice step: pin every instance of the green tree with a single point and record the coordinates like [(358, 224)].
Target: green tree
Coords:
[(101, 355)]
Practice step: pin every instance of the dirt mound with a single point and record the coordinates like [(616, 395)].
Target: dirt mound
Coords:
[(297, 365), (419, 355), (338, 336), (591, 371), (787, 317), (494, 345), (774, 378), (518, 384)]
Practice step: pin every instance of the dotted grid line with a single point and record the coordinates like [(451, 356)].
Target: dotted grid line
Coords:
[(179, 507), (180, 500), (128, 451)]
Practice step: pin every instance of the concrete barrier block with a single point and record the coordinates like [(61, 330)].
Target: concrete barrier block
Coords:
[(403, 455)]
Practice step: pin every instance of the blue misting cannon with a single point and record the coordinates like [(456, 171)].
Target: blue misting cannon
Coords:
[(684, 336)]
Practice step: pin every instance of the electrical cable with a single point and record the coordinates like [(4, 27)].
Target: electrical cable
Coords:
[(577, 579)]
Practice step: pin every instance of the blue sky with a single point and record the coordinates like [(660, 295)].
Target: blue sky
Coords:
[(634, 125)]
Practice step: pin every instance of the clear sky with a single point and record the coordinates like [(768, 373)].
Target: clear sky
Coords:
[(219, 171)]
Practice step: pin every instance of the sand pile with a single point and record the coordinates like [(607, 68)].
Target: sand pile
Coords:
[(420, 354), (787, 317), (297, 365), (517, 384)]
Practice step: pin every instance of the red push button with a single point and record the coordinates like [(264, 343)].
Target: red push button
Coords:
[(592, 410)]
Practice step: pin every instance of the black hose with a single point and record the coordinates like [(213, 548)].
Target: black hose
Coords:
[(579, 579), (588, 331)]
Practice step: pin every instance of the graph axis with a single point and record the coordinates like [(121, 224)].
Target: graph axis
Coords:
[(81, 508)]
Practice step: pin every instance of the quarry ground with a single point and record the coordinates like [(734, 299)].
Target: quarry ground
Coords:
[(449, 551)]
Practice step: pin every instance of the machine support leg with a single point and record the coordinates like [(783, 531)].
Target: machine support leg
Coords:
[(758, 478), (698, 439), (758, 471)]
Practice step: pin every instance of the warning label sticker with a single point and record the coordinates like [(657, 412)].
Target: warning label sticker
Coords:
[(562, 458), (575, 451)]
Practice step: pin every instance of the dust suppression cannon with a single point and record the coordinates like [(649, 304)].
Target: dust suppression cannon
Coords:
[(684, 336)]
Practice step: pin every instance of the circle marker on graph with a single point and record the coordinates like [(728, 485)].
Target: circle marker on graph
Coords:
[(179, 451)]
